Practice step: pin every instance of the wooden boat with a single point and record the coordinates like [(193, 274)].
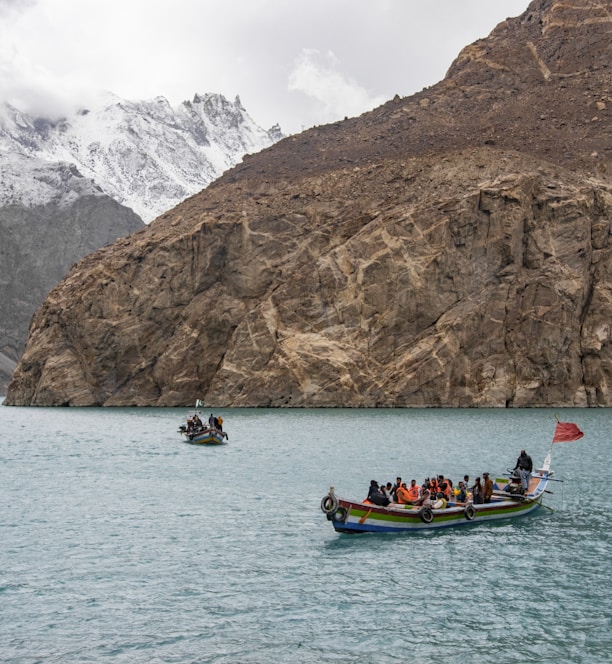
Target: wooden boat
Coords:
[(350, 516), (198, 433)]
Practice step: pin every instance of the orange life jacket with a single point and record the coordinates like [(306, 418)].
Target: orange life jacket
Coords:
[(413, 492), (403, 495)]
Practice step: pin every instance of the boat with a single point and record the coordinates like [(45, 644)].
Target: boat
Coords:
[(509, 500), (196, 432)]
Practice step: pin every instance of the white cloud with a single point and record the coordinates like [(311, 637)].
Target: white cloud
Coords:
[(319, 76), (291, 62)]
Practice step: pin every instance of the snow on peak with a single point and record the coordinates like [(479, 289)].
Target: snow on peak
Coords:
[(147, 155)]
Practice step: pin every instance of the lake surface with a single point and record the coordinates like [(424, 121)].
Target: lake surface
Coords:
[(121, 543)]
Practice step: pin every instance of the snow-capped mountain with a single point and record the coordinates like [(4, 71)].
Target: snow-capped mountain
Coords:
[(146, 155)]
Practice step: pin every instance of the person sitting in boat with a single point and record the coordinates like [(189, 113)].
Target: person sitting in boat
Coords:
[(487, 491), (524, 465), (196, 421), (440, 502), (396, 486), (445, 489), (403, 495), (425, 499), (462, 495), (413, 491), (376, 496)]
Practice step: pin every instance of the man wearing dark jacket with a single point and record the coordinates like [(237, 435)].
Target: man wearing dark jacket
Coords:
[(376, 496), (524, 465)]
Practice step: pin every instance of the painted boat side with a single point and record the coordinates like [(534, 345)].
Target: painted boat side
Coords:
[(207, 437), (365, 518)]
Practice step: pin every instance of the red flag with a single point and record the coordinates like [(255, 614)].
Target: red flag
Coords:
[(566, 432)]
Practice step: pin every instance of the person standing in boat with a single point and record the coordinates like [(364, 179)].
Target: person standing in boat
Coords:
[(524, 465), (477, 492), (487, 491)]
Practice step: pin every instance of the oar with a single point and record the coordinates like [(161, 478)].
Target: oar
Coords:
[(365, 516)]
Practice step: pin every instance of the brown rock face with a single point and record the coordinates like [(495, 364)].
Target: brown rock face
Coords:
[(449, 249)]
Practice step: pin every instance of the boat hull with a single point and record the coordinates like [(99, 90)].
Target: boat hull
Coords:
[(364, 518), (206, 437)]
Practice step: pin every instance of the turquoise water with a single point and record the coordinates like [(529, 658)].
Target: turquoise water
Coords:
[(120, 543)]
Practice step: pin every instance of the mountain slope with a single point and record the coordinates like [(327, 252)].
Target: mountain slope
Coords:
[(448, 249)]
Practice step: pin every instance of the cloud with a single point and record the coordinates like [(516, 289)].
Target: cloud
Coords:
[(15, 6), (334, 95)]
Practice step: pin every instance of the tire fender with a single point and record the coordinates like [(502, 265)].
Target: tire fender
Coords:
[(426, 515), (329, 504)]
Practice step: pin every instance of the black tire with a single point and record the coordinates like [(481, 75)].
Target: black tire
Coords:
[(469, 512), (329, 504), (426, 515), (341, 515)]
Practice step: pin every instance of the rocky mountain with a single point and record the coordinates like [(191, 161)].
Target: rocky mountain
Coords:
[(50, 217), (146, 155), (451, 248), (66, 186)]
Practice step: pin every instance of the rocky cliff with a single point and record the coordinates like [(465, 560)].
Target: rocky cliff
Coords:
[(50, 217), (447, 249)]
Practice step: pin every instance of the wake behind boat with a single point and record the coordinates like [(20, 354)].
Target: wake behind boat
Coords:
[(518, 494), (195, 431)]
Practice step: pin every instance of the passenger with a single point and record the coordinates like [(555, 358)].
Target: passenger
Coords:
[(396, 486), (461, 496), (211, 421), (488, 488), (440, 503), (466, 481), (477, 492), (403, 495), (425, 499), (524, 465), (413, 491), (376, 496), (220, 421)]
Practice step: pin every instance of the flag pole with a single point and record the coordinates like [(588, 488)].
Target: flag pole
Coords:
[(548, 458)]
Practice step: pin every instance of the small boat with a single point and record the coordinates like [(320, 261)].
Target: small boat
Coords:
[(509, 500), (198, 433)]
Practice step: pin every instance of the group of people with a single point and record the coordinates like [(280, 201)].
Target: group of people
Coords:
[(194, 423), (438, 491)]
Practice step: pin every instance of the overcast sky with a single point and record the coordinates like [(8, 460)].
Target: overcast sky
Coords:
[(293, 62)]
